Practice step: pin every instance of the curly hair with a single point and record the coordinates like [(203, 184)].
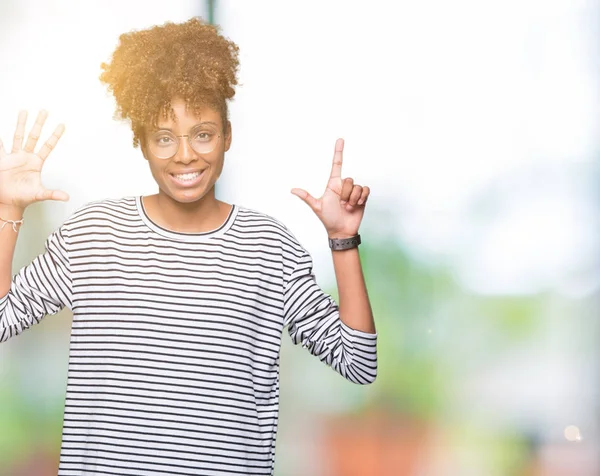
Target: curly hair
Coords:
[(149, 68)]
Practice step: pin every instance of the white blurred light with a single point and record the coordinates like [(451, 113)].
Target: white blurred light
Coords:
[(572, 433)]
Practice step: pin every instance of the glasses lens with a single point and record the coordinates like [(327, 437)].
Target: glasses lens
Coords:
[(203, 138), (163, 144)]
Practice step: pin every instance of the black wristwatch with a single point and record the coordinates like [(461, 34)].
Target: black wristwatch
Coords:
[(339, 244)]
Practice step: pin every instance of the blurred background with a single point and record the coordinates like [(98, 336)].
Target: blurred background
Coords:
[(475, 123)]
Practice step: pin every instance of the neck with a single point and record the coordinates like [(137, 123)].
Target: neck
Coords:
[(201, 216)]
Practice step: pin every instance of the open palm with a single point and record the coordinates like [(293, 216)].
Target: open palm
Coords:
[(20, 171), (342, 205)]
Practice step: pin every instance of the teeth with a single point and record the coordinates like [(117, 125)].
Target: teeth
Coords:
[(185, 177)]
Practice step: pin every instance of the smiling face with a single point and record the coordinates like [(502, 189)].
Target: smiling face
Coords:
[(188, 176)]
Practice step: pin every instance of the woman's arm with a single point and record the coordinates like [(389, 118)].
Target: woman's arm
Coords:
[(21, 185), (8, 241), (341, 209), (343, 336), (355, 308), (42, 287)]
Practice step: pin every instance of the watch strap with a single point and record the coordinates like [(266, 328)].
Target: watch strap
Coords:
[(339, 244)]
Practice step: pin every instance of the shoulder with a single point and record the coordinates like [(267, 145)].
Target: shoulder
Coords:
[(255, 218), (123, 208), (253, 221)]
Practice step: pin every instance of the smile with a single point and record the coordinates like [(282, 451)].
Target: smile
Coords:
[(187, 179)]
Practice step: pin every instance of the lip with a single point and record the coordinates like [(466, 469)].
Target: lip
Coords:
[(186, 183)]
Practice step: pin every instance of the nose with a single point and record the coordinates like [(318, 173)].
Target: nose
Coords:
[(185, 154)]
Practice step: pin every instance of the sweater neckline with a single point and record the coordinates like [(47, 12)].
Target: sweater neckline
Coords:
[(181, 236)]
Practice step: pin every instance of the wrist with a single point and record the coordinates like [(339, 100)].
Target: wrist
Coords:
[(340, 235), (342, 244), (11, 212)]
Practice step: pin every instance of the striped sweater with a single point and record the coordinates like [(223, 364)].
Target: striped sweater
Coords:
[(174, 348)]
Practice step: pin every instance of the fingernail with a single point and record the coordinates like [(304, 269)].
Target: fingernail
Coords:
[(343, 202), (360, 202)]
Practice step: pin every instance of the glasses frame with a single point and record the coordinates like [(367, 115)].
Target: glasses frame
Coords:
[(219, 136)]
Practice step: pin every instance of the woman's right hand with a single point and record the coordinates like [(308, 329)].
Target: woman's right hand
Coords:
[(20, 171)]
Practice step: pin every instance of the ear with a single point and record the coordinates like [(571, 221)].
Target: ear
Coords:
[(228, 136)]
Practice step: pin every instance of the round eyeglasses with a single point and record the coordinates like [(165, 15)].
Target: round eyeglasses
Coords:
[(202, 138)]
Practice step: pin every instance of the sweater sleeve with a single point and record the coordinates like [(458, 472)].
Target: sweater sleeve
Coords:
[(313, 320), (40, 288)]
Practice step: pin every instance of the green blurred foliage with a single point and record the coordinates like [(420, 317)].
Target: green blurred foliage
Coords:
[(424, 317)]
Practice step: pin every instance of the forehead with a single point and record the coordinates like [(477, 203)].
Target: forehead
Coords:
[(185, 118)]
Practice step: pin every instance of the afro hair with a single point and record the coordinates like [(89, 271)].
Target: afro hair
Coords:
[(149, 68)]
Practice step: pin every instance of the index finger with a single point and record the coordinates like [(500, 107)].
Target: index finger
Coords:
[(51, 142), (336, 166)]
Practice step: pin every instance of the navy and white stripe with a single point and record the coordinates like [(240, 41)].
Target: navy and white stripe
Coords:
[(174, 351)]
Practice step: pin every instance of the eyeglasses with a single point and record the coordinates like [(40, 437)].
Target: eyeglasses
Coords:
[(202, 138)]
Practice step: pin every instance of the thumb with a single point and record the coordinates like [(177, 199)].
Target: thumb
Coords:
[(306, 197), (52, 195)]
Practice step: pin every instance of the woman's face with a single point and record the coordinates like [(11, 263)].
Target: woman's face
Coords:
[(189, 175)]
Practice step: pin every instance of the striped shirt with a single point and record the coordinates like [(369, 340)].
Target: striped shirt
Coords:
[(174, 348)]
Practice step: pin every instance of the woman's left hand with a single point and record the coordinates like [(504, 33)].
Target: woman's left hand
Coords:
[(342, 205)]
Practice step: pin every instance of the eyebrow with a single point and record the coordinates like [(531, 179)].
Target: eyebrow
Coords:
[(195, 125)]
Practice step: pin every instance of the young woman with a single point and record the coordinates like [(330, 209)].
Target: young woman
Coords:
[(179, 300)]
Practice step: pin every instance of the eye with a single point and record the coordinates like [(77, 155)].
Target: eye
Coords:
[(163, 140), (203, 136)]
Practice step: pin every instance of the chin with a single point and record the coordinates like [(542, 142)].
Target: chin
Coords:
[(186, 196)]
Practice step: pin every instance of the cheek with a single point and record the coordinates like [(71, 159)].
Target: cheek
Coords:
[(156, 169), (218, 169), (219, 165), (217, 162)]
